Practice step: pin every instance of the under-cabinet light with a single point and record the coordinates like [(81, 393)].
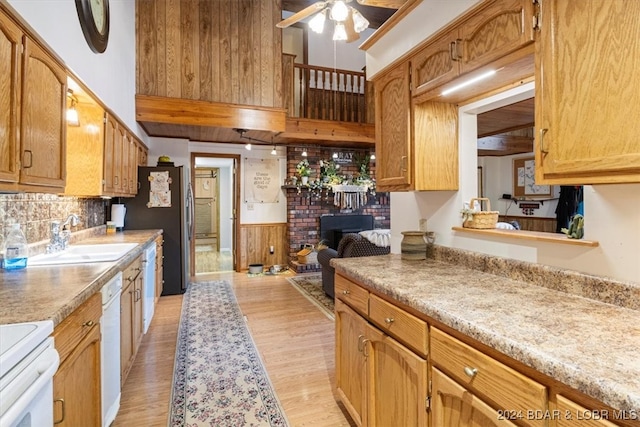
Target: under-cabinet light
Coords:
[(469, 82)]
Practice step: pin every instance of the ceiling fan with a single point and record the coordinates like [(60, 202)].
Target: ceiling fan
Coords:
[(347, 19)]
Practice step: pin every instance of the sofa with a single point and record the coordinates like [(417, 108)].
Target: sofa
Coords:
[(351, 245)]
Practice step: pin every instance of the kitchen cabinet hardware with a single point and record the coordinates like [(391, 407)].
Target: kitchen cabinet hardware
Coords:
[(470, 372)]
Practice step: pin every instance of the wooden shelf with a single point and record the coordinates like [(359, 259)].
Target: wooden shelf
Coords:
[(529, 235)]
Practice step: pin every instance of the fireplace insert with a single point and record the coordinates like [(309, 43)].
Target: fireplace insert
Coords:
[(333, 227)]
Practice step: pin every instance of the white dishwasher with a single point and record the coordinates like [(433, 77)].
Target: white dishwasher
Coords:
[(110, 349), (149, 286)]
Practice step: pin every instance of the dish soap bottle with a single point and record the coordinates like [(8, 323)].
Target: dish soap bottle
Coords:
[(15, 249)]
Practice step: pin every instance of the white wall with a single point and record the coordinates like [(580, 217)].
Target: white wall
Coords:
[(180, 152), (498, 180), (110, 75), (611, 214), (424, 20)]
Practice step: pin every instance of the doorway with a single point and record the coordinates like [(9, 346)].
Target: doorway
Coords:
[(215, 200)]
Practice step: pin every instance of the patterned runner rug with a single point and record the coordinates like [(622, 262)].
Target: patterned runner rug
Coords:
[(310, 285), (219, 378)]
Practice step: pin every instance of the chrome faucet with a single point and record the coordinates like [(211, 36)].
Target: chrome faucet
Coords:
[(60, 235)]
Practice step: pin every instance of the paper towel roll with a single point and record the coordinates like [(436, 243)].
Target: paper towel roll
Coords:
[(117, 215)]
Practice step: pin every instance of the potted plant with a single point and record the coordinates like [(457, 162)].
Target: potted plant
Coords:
[(304, 170)]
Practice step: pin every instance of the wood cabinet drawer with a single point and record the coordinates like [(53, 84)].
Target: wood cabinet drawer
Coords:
[(401, 325), (352, 294), (506, 388), (569, 412), (77, 325)]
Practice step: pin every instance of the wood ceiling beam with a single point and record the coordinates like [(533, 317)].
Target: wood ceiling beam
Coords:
[(502, 145), (323, 130), (159, 109)]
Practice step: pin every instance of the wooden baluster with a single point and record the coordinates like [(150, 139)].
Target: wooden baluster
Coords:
[(330, 91), (305, 83)]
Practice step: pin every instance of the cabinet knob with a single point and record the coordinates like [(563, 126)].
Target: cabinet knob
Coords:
[(346, 292), (389, 320), (470, 372), (88, 323)]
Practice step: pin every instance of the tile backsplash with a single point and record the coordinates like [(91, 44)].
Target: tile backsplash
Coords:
[(35, 211)]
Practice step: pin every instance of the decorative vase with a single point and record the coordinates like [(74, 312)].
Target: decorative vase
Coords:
[(413, 246), (305, 180)]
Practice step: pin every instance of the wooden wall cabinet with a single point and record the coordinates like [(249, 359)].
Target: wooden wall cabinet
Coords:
[(131, 320), (393, 129), (379, 380), (586, 93), (32, 114), (77, 383), (123, 153), (493, 30)]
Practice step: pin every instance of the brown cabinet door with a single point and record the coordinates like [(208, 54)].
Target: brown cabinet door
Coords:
[(110, 127), (495, 31), (76, 384), (587, 85), (126, 330), (351, 329), (133, 166), (138, 319), (120, 175), (10, 51), (43, 126), (437, 63), (454, 406), (393, 129), (396, 384)]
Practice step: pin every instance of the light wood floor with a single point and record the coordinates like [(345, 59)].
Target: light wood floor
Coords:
[(294, 338)]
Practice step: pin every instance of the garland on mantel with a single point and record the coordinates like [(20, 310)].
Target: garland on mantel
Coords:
[(349, 196)]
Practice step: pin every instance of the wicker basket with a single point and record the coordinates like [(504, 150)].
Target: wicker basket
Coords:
[(308, 255), (482, 219)]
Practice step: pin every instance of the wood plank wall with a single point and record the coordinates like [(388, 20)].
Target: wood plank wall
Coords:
[(219, 51), (254, 242), (547, 225)]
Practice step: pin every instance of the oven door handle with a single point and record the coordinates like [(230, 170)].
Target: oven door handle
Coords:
[(21, 391)]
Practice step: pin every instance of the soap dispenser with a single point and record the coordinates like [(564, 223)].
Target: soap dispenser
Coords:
[(15, 249)]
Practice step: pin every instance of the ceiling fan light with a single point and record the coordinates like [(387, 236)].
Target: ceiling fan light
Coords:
[(317, 22), (339, 11), (339, 33), (360, 23)]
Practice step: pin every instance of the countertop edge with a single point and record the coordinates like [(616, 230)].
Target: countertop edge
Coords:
[(607, 391)]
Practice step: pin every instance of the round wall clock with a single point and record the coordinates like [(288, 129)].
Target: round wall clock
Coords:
[(94, 21)]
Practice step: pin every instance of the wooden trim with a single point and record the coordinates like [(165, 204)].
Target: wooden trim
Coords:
[(390, 23), (162, 109), (529, 235), (323, 130), (236, 174)]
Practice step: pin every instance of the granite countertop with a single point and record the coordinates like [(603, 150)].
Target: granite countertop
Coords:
[(54, 292), (586, 344)]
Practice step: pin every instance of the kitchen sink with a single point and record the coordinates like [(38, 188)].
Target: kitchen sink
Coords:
[(76, 254)]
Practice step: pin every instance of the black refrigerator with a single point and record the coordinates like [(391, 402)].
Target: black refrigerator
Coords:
[(165, 201)]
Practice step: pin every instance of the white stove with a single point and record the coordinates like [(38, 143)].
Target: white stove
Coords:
[(28, 361)]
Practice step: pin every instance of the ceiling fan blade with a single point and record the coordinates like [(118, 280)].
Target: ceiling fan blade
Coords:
[(389, 4), (352, 35), (307, 11)]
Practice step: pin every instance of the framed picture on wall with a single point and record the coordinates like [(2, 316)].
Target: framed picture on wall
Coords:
[(524, 180)]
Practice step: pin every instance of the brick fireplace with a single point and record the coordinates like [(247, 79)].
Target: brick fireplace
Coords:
[(305, 207)]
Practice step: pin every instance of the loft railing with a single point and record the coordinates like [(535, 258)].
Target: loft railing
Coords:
[(323, 93)]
